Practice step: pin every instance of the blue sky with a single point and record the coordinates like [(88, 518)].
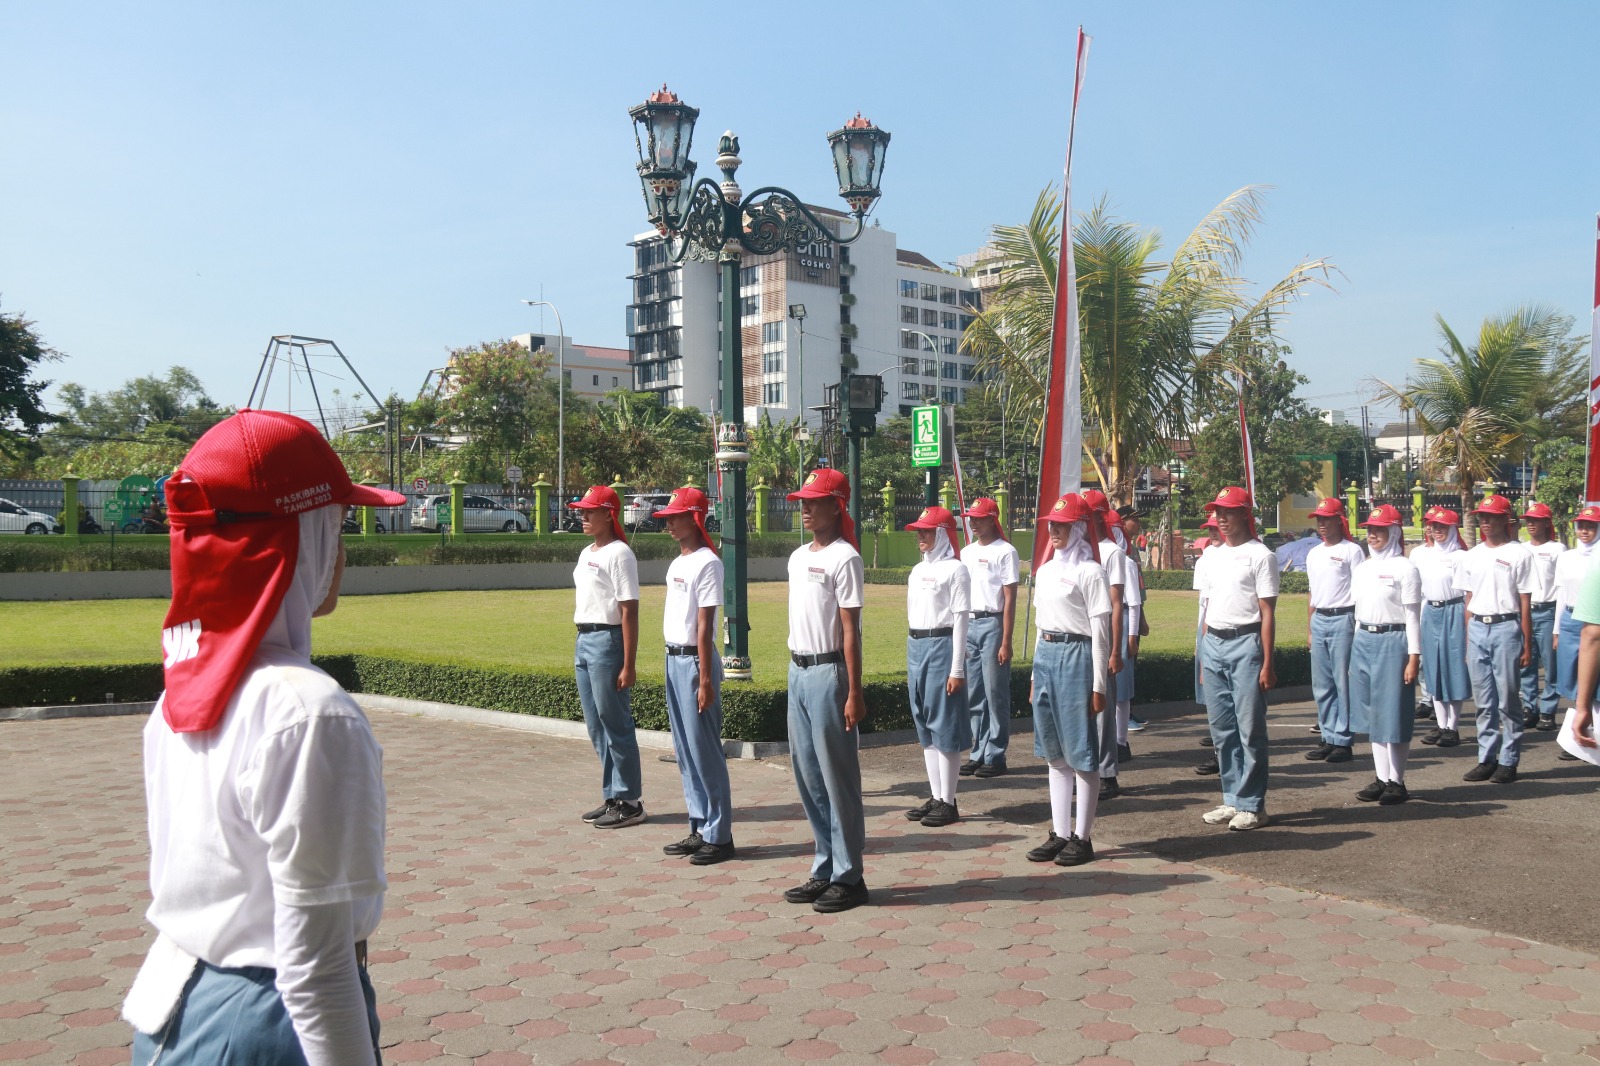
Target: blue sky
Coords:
[(181, 181)]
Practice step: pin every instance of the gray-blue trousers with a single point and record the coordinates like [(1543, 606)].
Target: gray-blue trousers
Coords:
[(827, 770), (1236, 709), (697, 742), (608, 713), (1542, 701), (1331, 636), (1493, 659), (988, 691)]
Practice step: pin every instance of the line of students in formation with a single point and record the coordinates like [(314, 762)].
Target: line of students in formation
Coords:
[(1459, 623)]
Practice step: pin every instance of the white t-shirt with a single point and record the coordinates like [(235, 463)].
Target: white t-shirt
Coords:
[(1545, 557), (1571, 569), (1329, 569), (821, 583), (1495, 578), (283, 800), (693, 581), (1236, 580), (1115, 563), (992, 567), (1437, 568), (605, 578), (1133, 590), (1388, 592), (936, 593)]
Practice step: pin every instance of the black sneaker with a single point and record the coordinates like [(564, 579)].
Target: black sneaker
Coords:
[(1341, 753), (621, 815), (1547, 723), (687, 846), (1372, 792), (1124, 753), (1207, 742), (1077, 852), (990, 769), (1432, 736), (1047, 851), (1209, 768), (711, 854), (1567, 756), (1320, 752), (969, 767), (1449, 738), (941, 814), (1424, 711), (839, 897), (1109, 789), (598, 812), (1503, 775), (1394, 792), (919, 812), (1481, 772), (809, 892)]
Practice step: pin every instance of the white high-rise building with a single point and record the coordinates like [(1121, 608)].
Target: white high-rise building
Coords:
[(896, 313)]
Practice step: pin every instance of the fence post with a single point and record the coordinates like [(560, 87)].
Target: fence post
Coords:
[(763, 493), (947, 496), (367, 513), (1350, 504), (621, 489), (1417, 507), (541, 506), (1002, 499), (69, 507), (458, 523), (887, 492)]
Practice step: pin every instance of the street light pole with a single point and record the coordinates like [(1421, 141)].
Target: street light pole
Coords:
[(718, 222), (561, 411), (798, 313)]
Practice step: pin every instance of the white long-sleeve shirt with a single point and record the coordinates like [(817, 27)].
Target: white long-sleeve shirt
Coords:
[(1076, 598), (1388, 592), (939, 594)]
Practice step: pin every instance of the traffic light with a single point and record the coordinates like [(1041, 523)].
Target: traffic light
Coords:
[(862, 400)]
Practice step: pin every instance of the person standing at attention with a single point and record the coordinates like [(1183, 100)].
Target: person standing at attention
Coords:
[(1540, 701), (938, 601), (1241, 596), (1386, 655), (1135, 540), (1496, 582), (1071, 678), (694, 680), (1115, 563), (1330, 628), (607, 616), (994, 572), (826, 704), (1444, 630), (1571, 570), (1208, 767)]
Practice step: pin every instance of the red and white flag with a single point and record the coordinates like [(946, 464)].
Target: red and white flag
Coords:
[(1061, 458), (1591, 481)]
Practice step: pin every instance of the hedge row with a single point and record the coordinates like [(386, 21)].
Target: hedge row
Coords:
[(749, 712)]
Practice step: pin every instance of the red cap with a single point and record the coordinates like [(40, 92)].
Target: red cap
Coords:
[(827, 482), (1385, 514), (1444, 516), (1590, 513), (690, 500), (1210, 522), (1538, 510), (1096, 500), (982, 507), (1069, 508), (604, 498), (934, 518), (1231, 497), (1328, 508), (1493, 505)]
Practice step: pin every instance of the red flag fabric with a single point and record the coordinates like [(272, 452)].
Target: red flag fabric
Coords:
[(1591, 481)]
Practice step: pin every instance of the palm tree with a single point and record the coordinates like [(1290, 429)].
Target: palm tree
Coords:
[(777, 453), (1471, 403), (1155, 335)]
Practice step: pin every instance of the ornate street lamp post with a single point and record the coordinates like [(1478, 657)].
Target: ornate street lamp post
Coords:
[(717, 222)]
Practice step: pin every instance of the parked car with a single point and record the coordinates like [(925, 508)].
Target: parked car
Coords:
[(480, 514), (14, 518), (638, 514)]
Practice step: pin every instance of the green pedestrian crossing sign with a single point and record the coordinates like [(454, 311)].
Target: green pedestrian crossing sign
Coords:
[(926, 445)]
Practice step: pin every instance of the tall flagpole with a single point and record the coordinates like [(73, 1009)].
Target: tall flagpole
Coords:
[(1591, 481)]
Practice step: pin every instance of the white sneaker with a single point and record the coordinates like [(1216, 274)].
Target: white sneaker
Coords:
[(1222, 814), (1248, 820)]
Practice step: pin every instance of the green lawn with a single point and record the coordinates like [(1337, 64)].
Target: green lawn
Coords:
[(531, 629)]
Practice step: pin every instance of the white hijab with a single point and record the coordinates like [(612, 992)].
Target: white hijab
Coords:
[(290, 629), (1451, 541), (1583, 549), (942, 547), (1392, 548), (1078, 549)]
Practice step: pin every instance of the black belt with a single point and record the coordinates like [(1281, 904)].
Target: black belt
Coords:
[(1541, 606), (942, 631), (1050, 636), (682, 649), (1491, 619), (1447, 603), (1337, 610), (595, 627), (986, 614), (1386, 627), (818, 659), (1236, 631)]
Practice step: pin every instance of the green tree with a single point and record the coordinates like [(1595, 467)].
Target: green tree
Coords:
[(22, 413), (1560, 484), (1155, 335), (649, 443), (777, 455), (144, 426)]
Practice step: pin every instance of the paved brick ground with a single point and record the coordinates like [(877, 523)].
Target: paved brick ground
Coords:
[(515, 934)]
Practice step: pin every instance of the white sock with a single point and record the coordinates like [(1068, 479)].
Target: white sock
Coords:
[(1441, 714), (1452, 714), (1061, 798), (1088, 789), (934, 764), (1380, 761), (949, 774), (1124, 712), (1399, 754)]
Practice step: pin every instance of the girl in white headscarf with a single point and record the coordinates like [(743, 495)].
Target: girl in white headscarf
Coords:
[(938, 607), (1444, 628), (1571, 568), (1386, 653)]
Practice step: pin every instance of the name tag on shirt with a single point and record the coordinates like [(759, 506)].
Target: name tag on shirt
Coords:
[(930, 583), (1067, 584), (680, 585), (816, 574), (591, 565), (983, 564), (1386, 580)]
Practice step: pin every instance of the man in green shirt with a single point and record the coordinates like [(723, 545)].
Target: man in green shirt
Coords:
[(1587, 611)]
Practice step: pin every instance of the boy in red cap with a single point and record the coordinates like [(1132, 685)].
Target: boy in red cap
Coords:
[(826, 704), (938, 601), (264, 783), (1124, 594), (1571, 570), (607, 616), (1540, 702), (1496, 581), (1444, 628), (1241, 595), (995, 572), (1330, 628), (694, 680)]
